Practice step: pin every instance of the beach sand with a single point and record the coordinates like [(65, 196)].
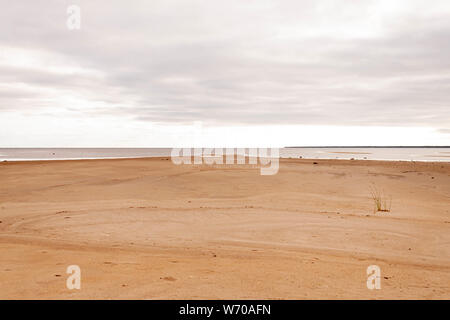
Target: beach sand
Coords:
[(149, 229)]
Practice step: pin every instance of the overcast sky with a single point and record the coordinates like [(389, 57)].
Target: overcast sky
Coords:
[(249, 73)]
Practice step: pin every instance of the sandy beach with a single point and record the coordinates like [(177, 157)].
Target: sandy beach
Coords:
[(149, 229)]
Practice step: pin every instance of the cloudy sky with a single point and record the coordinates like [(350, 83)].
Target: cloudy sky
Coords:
[(244, 73)]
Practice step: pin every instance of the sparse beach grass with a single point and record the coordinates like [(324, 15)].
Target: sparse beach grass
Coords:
[(382, 203)]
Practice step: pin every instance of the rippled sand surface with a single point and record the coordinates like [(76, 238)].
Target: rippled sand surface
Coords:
[(149, 229)]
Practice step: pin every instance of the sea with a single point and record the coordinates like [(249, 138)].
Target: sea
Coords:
[(343, 152)]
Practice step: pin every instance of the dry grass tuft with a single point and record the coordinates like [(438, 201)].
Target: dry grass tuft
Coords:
[(381, 202)]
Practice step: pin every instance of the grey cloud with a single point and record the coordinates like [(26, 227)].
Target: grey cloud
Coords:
[(237, 63)]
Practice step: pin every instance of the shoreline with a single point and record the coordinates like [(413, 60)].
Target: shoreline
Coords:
[(161, 157), (372, 154)]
